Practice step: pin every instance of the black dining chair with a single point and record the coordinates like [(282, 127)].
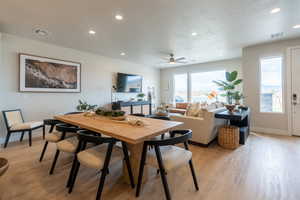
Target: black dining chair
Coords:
[(14, 122), (55, 136), (67, 142), (161, 118), (98, 157), (166, 156)]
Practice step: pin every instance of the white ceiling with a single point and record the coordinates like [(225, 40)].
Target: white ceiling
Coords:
[(153, 28)]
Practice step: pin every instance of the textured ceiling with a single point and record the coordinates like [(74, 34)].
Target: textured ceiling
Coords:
[(153, 28)]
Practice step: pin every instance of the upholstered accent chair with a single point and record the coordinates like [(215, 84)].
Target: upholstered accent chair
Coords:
[(166, 156), (14, 122)]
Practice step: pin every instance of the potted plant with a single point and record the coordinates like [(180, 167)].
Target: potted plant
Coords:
[(238, 96), (140, 96), (84, 106), (229, 89)]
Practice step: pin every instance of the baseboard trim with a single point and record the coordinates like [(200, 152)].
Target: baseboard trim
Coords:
[(270, 131)]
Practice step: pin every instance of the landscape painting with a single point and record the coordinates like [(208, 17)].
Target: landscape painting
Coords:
[(40, 74)]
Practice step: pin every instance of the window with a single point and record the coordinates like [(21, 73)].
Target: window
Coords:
[(202, 85), (271, 85), (180, 88)]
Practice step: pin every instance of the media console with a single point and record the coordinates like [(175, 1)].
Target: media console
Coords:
[(140, 107)]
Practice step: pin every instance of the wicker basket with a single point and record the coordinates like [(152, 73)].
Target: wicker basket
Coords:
[(229, 137)]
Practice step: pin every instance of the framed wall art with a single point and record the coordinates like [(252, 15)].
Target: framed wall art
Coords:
[(42, 74)]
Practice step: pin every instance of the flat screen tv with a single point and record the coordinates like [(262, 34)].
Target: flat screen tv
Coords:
[(129, 83)]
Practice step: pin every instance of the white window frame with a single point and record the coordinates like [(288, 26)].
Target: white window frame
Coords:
[(187, 85), (283, 72)]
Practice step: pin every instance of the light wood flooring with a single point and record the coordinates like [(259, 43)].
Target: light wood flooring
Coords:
[(266, 168)]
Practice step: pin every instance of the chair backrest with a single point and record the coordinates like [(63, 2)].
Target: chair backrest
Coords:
[(87, 136), (12, 117), (93, 137), (67, 128), (177, 137)]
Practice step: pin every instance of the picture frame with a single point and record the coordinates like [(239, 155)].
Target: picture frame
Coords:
[(43, 74)]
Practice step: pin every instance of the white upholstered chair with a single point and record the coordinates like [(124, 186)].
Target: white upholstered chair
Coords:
[(14, 122)]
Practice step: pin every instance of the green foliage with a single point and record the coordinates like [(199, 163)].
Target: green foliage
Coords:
[(229, 86), (109, 113), (84, 106)]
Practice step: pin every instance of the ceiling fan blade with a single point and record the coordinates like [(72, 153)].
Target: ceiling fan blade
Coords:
[(178, 59), (182, 62)]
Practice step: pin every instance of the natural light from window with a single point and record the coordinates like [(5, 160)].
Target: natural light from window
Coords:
[(271, 85), (180, 88), (202, 85)]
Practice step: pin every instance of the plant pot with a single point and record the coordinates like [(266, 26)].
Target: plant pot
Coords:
[(3, 166), (230, 107)]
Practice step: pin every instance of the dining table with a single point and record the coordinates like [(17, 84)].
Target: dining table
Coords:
[(134, 136)]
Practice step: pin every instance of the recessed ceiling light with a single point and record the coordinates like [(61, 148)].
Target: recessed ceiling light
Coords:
[(91, 32), (194, 34), (296, 26), (275, 10), (122, 54), (119, 17), (41, 32)]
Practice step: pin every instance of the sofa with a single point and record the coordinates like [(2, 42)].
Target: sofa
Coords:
[(179, 108), (205, 128)]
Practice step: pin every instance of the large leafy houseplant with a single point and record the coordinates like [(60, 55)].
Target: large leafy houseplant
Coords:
[(229, 87)]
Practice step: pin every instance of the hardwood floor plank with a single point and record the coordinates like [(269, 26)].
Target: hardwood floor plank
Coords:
[(266, 168)]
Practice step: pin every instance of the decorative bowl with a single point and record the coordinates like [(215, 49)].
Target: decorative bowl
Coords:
[(3, 166), (230, 107), (119, 118)]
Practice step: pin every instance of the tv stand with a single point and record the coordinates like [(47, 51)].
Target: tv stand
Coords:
[(133, 106)]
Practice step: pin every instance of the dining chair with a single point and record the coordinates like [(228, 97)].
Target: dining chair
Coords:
[(166, 156), (98, 157), (161, 118), (54, 137), (14, 122), (67, 142)]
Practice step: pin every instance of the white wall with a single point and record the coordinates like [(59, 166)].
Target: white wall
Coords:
[(96, 77), (167, 74), (270, 123)]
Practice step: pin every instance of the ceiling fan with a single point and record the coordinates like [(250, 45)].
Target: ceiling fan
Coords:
[(172, 60)]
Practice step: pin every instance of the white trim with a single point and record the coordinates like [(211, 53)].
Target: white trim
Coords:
[(290, 87), (270, 131)]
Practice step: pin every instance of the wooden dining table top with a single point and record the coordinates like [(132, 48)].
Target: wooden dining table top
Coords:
[(121, 130)]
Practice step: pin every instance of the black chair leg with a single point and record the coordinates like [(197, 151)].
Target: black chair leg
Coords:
[(104, 171), (30, 137), (7, 139), (44, 150), (162, 173), (72, 171), (54, 162), (44, 132), (74, 176), (128, 165), (51, 128), (22, 135), (194, 175), (141, 170)]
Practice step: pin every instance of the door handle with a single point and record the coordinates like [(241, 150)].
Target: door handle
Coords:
[(295, 99)]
